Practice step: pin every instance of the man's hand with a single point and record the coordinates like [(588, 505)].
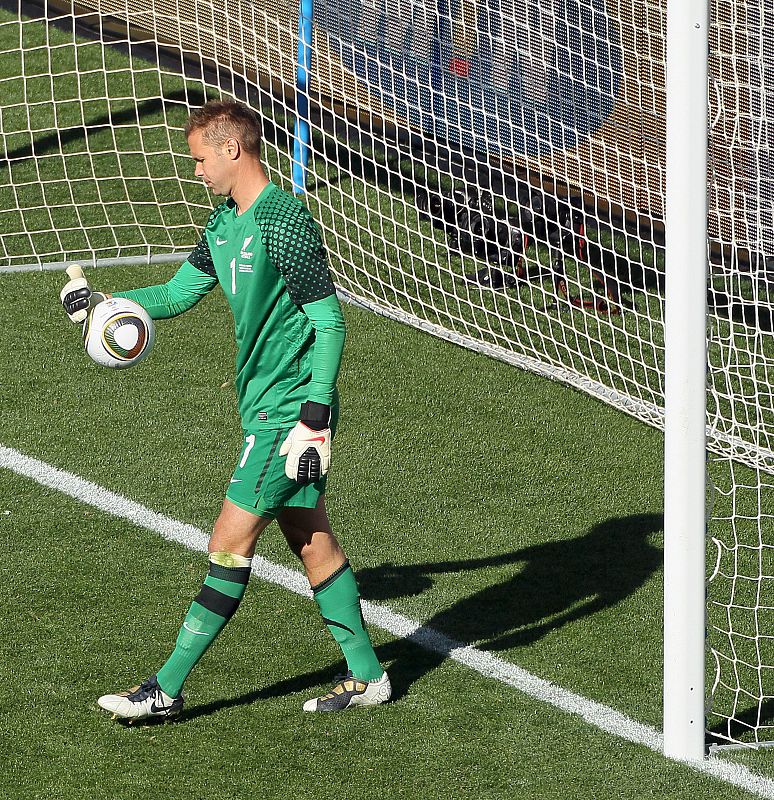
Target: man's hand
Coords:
[(308, 445), (77, 297)]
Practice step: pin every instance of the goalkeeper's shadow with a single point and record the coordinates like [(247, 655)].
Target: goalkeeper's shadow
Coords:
[(549, 585)]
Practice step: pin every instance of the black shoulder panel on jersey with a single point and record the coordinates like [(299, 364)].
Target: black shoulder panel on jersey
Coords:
[(201, 257), (293, 242)]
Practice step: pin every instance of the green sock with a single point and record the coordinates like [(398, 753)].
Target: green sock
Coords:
[(213, 607), (339, 602)]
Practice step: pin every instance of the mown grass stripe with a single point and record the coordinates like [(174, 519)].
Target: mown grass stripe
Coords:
[(486, 664)]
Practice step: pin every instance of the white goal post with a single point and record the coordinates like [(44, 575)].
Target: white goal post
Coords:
[(511, 176), (685, 379)]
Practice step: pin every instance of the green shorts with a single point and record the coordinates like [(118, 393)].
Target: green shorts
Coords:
[(259, 483)]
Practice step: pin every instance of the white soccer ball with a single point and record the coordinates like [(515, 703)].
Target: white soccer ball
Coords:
[(118, 333)]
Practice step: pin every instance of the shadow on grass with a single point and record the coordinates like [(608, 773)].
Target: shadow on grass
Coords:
[(551, 585), (410, 661), (742, 726), (128, 114)]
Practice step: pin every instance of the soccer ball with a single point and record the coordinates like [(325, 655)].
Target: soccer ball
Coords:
[(118, 333)]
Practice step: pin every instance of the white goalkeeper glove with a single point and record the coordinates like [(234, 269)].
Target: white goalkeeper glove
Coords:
[(308, 445), (77, 297)]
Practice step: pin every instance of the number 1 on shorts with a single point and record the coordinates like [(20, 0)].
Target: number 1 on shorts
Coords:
[(250, 442)]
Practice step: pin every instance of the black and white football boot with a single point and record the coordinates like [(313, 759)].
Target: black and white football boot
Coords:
[(350, 691), (142, 702)]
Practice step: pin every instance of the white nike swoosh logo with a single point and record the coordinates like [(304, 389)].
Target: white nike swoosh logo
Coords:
[(191, 630), (219, 241), (236, 480)]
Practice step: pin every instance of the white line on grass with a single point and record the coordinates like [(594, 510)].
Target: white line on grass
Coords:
[(600, 716)]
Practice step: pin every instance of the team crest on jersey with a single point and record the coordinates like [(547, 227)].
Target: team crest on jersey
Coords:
[(245, 252)]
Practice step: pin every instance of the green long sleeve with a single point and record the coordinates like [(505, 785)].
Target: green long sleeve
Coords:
[(328, 322), (181, 293)]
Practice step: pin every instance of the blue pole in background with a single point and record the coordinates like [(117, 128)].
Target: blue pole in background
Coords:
[(303, 132)]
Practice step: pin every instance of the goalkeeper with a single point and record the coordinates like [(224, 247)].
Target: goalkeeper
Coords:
[(265, 251)]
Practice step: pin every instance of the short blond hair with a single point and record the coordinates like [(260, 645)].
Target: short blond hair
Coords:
[(220, 120)]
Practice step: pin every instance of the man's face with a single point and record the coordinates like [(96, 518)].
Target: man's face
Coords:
[(215, 165)]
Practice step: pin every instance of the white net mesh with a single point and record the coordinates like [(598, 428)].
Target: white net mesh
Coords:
[(492, 172), (741, 364)]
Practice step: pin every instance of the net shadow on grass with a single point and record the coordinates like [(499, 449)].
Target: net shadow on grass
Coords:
[(743, 725)]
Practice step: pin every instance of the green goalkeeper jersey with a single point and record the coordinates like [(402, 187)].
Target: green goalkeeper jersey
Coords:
[(272, 266)]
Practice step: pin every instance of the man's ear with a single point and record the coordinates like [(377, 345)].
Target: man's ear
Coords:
[(232, 148)]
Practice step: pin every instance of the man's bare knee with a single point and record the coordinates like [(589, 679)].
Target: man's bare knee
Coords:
[(236, 531), (309, 536), (299, 525), (296, 538)]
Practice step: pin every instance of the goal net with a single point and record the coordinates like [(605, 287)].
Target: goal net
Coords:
[(492, 173)]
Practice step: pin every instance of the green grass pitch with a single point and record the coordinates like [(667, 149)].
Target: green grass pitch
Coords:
[(501, 509)]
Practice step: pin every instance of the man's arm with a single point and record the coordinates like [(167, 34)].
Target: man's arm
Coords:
[(195, 278), (295, 247), (299, 255), (308, 445), (328, 322), (179, 294)]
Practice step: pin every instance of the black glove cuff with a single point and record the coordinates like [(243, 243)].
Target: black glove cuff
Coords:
[(316, 416)]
